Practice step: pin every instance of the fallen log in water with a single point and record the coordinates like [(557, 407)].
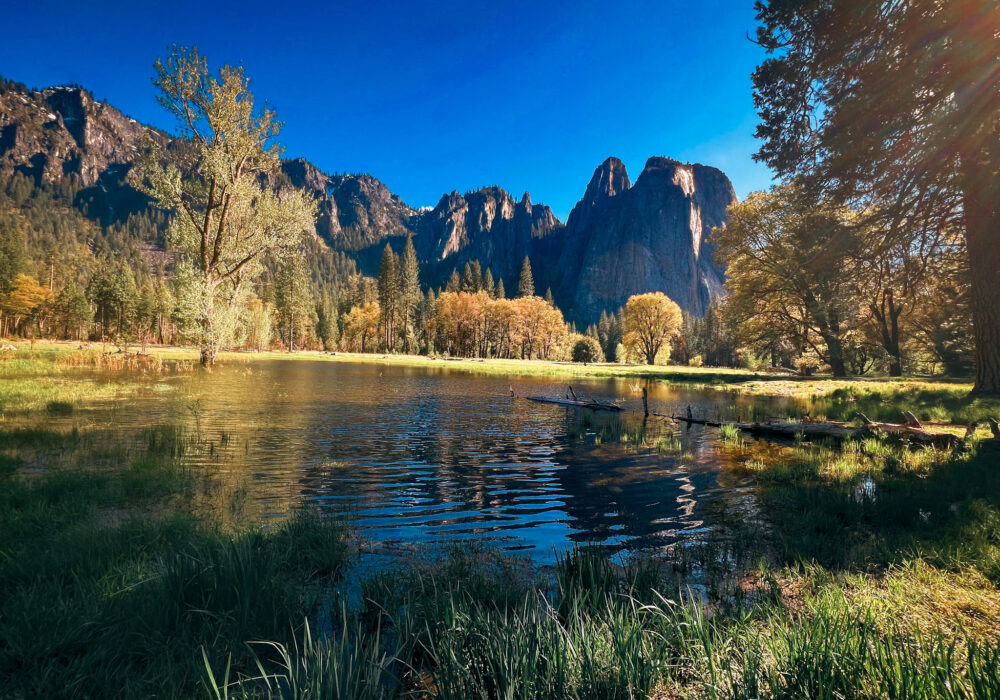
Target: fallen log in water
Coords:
[(589, 403), (783, 429), (572, 399), (833, 430), (911, 429)]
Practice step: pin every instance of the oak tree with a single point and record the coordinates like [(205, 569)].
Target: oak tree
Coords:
[(651, 320), (895, 104)]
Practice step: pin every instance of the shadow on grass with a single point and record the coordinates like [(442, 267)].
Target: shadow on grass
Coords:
[(872, 505), (111, 593)]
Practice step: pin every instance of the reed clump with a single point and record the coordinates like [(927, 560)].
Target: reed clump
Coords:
[(114, 361)]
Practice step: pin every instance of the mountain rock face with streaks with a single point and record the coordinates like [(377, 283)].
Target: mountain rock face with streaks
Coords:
[(485, 225), (355, 211), (63, 133), (624, 239)]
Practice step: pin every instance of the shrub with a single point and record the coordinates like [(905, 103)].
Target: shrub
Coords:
[(587, 350)]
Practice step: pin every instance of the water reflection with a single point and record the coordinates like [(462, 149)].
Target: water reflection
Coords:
[(427, 455)]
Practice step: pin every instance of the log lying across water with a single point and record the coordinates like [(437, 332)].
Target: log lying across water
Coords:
[(589, 403), (573, 400), (835, 430)]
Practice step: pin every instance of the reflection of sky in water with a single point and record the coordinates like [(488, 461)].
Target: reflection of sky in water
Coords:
[(425, 455)]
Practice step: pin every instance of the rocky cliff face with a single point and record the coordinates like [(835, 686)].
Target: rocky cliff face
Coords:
[(63, 132), (622, 240), (355, 211), (609, 180), (484, 225)]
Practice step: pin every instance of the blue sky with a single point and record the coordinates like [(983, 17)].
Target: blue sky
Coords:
[(437, 96)]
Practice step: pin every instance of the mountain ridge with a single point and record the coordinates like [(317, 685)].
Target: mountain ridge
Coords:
[(621, 238)]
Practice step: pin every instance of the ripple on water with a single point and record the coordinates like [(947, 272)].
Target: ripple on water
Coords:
[(422, 456)]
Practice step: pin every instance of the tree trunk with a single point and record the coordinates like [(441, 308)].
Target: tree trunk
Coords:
[(890, 341), (207, 355), (887, 314), (208, 347), (982, 233), (835, 350)]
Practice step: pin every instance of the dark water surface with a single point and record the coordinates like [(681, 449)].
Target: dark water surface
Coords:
[(416, 455)]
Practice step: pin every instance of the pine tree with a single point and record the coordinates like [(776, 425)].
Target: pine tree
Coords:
[(488, 284), (389, 292), (12, 249), (476, 276), (501, 292), (426, 330), (72, 309), (548, 296), (454, 284), (327, 329), (126, 300), (468, 282), (145, 315), (609, 333), (526, 285), (410, 283), (293, 299)]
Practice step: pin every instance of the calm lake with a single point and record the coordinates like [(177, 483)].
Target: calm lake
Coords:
[(429, 456)]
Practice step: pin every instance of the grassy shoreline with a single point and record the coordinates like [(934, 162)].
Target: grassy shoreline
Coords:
[(32, 382), (116, 590), (743, 380)]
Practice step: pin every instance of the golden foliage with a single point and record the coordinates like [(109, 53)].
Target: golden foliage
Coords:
[(651, 320)]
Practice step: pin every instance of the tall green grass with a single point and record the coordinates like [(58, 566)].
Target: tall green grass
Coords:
[(457, 636), (929, 402), (111, 589)]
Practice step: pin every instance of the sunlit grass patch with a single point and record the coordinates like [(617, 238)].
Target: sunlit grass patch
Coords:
[(50, 378), (668, 444), (928, 600), (928, 401)]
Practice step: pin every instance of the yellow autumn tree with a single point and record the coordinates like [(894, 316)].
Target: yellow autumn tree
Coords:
[(541, 327), (651, 320), (361, 326), (458, 321), (26, 296)]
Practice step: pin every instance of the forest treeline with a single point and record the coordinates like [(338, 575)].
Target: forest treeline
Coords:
[(63, 275)]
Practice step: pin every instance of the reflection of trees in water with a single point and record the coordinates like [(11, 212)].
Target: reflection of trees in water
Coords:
[(441, 451), (627, 493), (506, 467)]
